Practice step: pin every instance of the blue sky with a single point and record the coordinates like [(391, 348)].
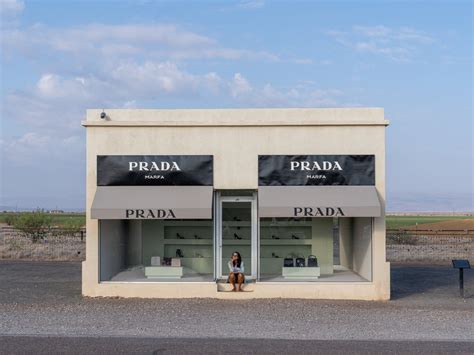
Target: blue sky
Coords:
[(412, 58)]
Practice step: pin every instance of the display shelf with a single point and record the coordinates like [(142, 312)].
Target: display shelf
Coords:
[(240, 224), (236, 242), (181, 223), (285, 224), (286, 242), (188, 241), (266, 242)]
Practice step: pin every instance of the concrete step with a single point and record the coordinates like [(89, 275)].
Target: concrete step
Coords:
[(226, 287)]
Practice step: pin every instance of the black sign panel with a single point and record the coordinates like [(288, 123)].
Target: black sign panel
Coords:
[(126, 170), (298, 170)]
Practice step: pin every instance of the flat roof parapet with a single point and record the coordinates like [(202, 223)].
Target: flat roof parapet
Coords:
[(238, 117)]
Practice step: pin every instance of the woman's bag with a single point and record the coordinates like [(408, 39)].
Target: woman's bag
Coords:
[(300, 262), (312, 261), (288, 262)]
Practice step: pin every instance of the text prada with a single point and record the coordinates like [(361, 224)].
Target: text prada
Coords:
[(153, 166), (150, 214), (318, 212), (314, 165)]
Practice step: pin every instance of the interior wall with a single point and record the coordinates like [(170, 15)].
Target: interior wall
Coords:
[(153, 240), (134, 243), (345, 242), (322, 246), (112, 248), (362, 247)]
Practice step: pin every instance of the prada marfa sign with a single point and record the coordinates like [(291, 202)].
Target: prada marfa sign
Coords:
[(300, 170), (162, 170)]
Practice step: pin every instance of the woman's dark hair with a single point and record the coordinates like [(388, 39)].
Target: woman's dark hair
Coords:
[(239, 259)]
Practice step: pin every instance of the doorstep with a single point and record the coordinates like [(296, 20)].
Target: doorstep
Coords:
[(224, 286)]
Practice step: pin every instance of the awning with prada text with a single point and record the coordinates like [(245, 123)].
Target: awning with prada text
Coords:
[(318, 201), (152, 202)]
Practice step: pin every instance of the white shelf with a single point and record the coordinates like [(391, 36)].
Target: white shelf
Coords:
[(287, 224), (245, 224), (267, 242), (204, 223), (286, 242), (226, 242), (188, 241)]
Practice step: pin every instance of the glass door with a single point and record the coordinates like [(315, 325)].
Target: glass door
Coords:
[(236, 232)]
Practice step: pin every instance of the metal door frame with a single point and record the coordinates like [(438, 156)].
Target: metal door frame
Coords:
[(254, 240)]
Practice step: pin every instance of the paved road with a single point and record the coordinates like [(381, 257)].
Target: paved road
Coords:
[(80, 345), (41, 307)]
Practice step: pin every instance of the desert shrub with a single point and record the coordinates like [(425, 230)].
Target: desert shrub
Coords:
[(10, 218), (34, 225), (71, 227)]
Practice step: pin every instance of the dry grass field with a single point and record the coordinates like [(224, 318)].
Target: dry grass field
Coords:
[(448, 225)]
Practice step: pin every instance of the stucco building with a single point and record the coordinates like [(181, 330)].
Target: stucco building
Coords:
[(299, 193)]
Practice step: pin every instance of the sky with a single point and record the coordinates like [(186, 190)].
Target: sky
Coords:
[(414, 59)]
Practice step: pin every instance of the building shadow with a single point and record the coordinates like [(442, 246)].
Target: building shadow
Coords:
[(441, 281)]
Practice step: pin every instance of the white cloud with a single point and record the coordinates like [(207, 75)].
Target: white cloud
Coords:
[(304, 95), (11, 7), (107, 42), (251, 4), (240, 86), (32, 147), (399, 44)]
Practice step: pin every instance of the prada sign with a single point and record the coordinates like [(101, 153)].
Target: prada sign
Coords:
[(298, 170), (164, 170), (318, 212), (150, 214)]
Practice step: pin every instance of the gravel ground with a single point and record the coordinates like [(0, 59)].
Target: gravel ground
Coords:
[(41, 298)]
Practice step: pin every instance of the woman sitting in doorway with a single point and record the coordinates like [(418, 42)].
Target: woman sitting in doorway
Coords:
[(236, 271)]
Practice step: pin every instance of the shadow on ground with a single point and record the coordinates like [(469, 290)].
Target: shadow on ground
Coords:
[(439, 281)]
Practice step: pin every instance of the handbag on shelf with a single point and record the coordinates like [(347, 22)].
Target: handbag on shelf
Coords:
[(176, 262), (312, 261), (300, 262), (288, 262), (155, 261)]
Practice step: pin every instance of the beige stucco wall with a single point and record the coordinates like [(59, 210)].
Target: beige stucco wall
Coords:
[(235, 138), (362, 247), (345, 242)]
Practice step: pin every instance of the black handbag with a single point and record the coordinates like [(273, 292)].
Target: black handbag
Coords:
[(312, 261), (288, 262), (300, 262)]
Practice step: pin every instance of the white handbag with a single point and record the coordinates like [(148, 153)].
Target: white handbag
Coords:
[(176, 262)]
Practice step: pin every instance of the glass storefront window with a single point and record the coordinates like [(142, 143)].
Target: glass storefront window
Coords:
[(291, 248), (156, 250)]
